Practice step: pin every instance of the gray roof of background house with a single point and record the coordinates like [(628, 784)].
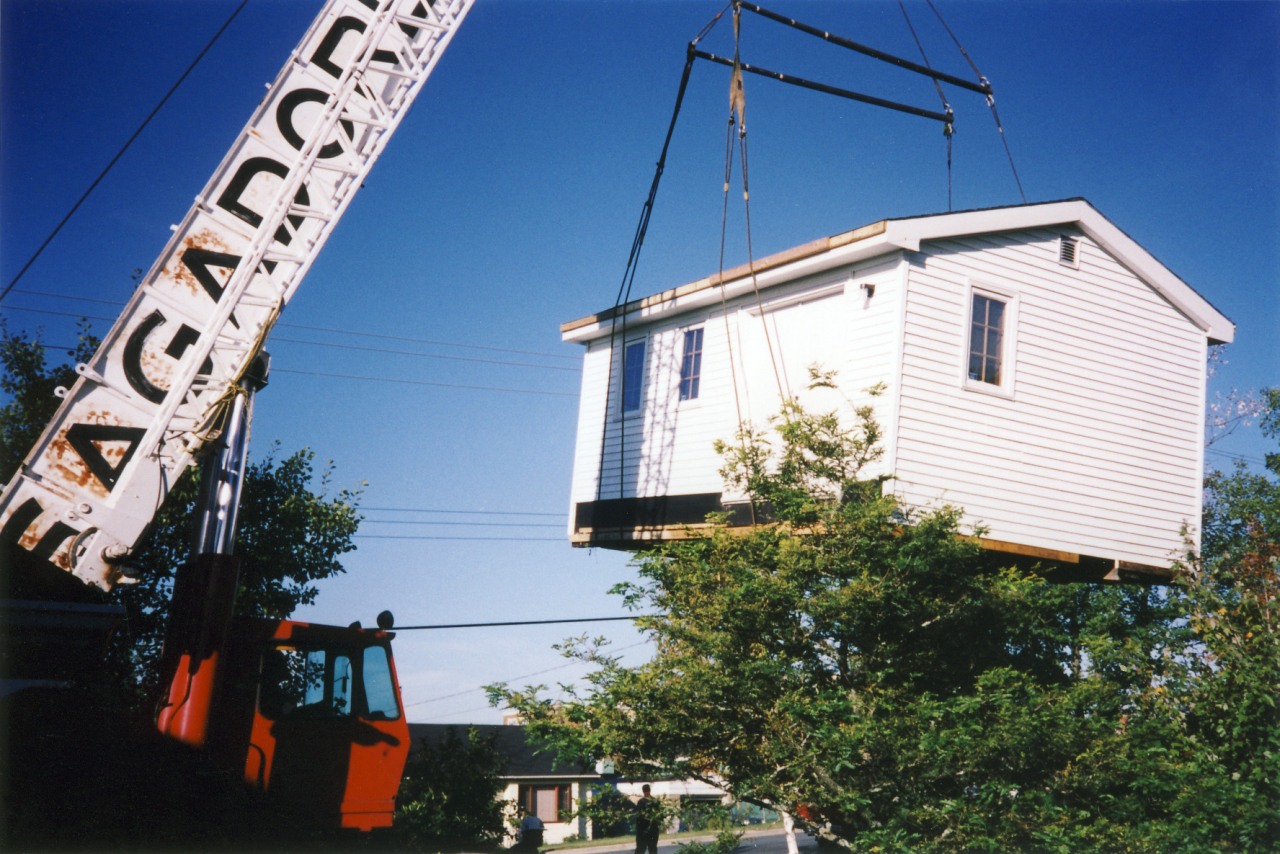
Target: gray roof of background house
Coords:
[(524, 759)]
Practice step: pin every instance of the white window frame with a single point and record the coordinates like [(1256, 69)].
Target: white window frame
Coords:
[(1008, 339), (702, 349)]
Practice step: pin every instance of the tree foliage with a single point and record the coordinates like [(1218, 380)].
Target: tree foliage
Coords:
[(293, 525), (28, 381), (449, 796), (861, 662)]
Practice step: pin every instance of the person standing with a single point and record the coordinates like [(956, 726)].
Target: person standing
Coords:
[(648, 823), (531, 828)]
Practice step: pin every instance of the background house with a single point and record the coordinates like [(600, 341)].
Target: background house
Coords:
[(1040, 369), (534, 780), (542, 785)]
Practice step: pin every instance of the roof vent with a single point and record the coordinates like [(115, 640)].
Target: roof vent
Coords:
[(1068, 252)]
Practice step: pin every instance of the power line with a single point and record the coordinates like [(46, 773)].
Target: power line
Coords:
[(1248, 458), (386, 350), (310, 328), (53, 313), (401, 381), (511, 679), (517, 623), (463, 512), (483, 708), (99, 300), (461, 524), (429, 341), (335, 345), (123, 149), (470, 539)]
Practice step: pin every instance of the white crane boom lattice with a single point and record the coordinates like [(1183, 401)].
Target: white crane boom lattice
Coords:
[(151, 397)]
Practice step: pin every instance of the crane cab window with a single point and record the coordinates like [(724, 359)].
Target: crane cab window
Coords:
[(379, 687), (327, 683)]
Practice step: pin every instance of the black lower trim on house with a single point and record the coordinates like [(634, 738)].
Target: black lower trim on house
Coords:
[(625, 518)]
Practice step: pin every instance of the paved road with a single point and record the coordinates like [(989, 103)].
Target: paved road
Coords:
[(774, 842), (754, 842)]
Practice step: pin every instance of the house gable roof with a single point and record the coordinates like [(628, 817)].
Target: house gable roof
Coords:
[(524, 759), (907, 234)]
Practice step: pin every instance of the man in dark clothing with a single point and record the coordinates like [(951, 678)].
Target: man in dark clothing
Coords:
[(648, 823)]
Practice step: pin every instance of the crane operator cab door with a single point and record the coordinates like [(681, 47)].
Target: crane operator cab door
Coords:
[(329, 739)]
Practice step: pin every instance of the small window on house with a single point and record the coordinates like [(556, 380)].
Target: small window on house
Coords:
[(551, 803), (632, 375), (986, 340), (691, 364)]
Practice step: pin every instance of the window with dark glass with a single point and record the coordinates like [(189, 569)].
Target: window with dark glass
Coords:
[(691, 364), (632, 375), (305, 682), (986, 339), (298, 682), (379, 688)]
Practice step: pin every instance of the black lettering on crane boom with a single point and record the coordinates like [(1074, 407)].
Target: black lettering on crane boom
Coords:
[(230, 202), (133, 348), (284, 121), (323, 57), (84, 439)]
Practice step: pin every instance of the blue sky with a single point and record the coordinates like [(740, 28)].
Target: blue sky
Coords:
[(422, 354)]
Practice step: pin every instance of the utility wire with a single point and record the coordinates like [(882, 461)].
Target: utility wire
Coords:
[(1215, 451), (375, 335), (461, 524), (573, 358), (122, 150), (468, 539), (35, 293), (465, 512), (512, 679), (401, 381), (1248, 458), (517, 623), (388, 351)]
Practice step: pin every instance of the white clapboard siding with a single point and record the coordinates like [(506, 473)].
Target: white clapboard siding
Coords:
[(667, 447), (1095, 450), (591, 420), (780, 339)]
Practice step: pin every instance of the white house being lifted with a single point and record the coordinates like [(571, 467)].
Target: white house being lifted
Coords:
[(1041, 370)]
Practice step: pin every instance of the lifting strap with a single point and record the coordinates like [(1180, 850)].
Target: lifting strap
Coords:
[(949, 129), (991, 98), (737, 117), (618, 327)]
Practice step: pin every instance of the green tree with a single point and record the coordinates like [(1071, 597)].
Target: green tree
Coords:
[(1232, 701), (28, 381), (863, 663), (293, 525), (449, 797)]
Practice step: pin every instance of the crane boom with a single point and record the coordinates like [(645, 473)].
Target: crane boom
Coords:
[(152, 396)]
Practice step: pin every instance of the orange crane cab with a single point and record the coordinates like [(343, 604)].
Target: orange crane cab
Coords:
[(325, 698), (309, 716)]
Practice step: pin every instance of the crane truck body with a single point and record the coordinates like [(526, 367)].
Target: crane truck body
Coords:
[(309, 717)]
